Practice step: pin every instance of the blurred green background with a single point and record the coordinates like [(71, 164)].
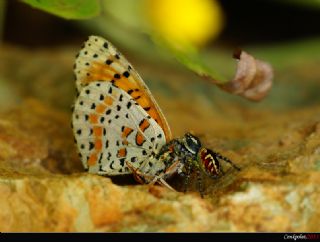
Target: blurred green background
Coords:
[(201, 35)]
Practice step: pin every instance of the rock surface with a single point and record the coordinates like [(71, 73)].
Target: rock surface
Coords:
[(44, 188)]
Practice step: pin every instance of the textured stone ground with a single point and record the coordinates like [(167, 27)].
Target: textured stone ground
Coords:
[(44, 188)]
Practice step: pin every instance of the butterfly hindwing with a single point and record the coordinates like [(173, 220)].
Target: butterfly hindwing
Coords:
[(110, 128)]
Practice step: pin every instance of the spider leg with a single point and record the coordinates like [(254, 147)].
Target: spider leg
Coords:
[(169, 147), (218, 155), (187, 179), (200, 183)]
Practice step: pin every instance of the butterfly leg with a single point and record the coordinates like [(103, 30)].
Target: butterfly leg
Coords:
[(143, 178), (162, 182), (167, 173), (173, 168), (137, 174)]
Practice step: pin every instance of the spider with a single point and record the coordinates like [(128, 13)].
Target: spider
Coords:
[(184, 156)]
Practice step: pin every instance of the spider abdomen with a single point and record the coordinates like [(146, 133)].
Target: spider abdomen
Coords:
[(209, 162)]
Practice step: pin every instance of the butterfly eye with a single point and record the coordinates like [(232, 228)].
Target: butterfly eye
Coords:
[(192, 143)]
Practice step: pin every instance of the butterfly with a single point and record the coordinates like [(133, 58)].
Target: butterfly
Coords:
[(120, 129)]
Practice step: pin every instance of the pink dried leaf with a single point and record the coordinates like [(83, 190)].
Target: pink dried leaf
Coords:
[(253, 79)]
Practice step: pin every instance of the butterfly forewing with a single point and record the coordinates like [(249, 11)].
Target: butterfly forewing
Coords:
[(98, 60)]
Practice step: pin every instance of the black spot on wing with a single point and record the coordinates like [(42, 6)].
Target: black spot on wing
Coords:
[(126, 74), (122, 160), (111, 165), (109, 62)]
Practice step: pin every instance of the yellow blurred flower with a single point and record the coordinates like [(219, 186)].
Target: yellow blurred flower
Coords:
[(185, 22)]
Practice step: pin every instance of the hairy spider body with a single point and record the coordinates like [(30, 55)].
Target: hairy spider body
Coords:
[(186, 155)]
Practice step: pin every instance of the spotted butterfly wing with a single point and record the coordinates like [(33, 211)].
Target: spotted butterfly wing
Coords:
[(115, 118), (100, 60)]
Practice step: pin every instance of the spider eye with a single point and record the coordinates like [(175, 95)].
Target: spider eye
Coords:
[(192, 143)]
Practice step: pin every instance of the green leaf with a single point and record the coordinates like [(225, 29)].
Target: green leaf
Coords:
[(191, 58), (69, 9), (195, 62)]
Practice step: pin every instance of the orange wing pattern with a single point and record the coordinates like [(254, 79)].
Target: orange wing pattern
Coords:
[(98, 60)]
